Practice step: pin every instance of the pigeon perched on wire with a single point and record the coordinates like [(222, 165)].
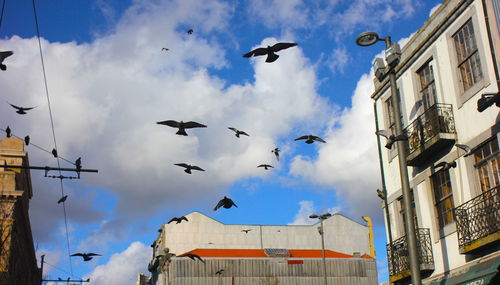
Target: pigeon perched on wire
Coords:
[(78, 164), (238, 132), (269, 51), (226, 203), (54, 152), (466, 148), (276, 152), (182, 126), (63, 199), (391, 139), (8, 132), (266, 166), (27, 140), (21, 110), (310, 139), (188, 167), (178, 220), (445, 165), (3, 56), (192, 256), (86, 256)]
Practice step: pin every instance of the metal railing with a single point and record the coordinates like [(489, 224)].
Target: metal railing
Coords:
[(398, 253), (437, 119), (479, 217)]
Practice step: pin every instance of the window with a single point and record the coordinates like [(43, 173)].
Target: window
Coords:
[(427, 85), (443, 194), (469, 65), (487, 164)]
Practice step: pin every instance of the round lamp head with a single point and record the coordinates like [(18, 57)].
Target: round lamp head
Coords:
[(313, 216), (367, 39)]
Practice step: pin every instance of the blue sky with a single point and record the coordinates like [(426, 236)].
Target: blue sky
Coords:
[(110, 82)]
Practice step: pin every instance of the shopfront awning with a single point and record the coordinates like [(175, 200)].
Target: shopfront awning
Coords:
[(476, 274)]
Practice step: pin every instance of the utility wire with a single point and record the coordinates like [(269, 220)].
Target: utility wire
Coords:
[(1, 15), (53, 131)]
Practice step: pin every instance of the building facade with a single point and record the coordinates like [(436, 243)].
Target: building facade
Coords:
[(18, 265), (448, 86), (261, 254)]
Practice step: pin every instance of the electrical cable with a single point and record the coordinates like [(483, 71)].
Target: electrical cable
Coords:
[(53, 131)]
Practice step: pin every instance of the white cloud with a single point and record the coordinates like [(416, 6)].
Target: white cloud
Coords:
[(433, 9), (338, 60), (123, 267), (291, 13), (306, 209)]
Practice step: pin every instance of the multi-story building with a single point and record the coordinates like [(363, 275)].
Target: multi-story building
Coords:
[(18, 264), (448, 85), (262, 254)]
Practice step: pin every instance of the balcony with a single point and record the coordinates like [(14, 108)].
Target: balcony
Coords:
[(478, 221), (399, 260), (430, 132)]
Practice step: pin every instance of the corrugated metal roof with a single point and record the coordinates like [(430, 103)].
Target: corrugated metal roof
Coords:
[(294, 253)]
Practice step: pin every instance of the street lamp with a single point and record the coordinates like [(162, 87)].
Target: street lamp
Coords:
[(392, 57), (321, 232)]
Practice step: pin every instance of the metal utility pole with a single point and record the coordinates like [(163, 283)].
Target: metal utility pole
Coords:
[(322, 234)]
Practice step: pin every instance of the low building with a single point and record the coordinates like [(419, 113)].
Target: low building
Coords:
[(18, 265), (261, 254)]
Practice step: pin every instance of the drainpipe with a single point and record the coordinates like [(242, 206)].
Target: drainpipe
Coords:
[(368, 220), (492, 48), (384, 189)]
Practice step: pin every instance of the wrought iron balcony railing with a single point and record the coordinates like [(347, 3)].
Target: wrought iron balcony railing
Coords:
[(431, 131), (478, 221), (399, 260)]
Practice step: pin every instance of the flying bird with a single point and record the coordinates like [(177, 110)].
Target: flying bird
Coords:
[(63, 198), (219, 272), (266, 166), (246, 231), (192, 256), (178, 220), (238, 132), (310, 139), (391, 139), (181, 126), (8, 132), (21, 110), (190, 31), (468, 150), (276, 152), (269, 51), (54, 152), (3, 56), (164, 49), (188, 167), (445, 165), (226, 203), (27, 140), (86, 256)]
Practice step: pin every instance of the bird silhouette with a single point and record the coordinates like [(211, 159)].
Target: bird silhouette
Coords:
[(78, 164), (445, 165), (238, 132), (27, 140), (192, 256), (8, 132), (188, 167), (21, 110), (466, 148), (181, 126), (276, 152), (86, 256), (266, 166), (269, 51), (164, 49), (62, 199), (219, 272), (190, 31), (246, 231), (391, 139), (54, 152), (226, 203), (310, 139), (3, 56), (178, 220)]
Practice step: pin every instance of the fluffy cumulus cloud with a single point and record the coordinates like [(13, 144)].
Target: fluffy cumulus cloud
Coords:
[(338, 59), (306, 209), (123, 267)]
